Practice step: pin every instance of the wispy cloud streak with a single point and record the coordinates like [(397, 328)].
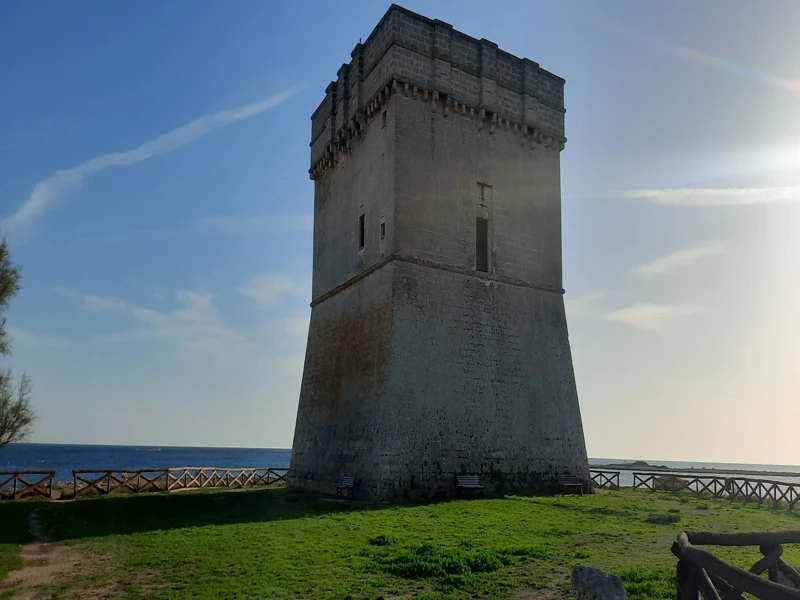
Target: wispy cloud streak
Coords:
[(93, 302), (196, 327), (693, 55), (48, 192), (219, 226), (584, 305), (715, 196), (676, 261), (32, 339), (268, 290), (651, 317)]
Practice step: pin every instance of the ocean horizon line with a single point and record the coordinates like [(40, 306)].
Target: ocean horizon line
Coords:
[(592, 460), (90, 445)]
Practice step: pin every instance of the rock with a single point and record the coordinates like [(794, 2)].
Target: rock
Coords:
[(664, 519), (589, 583), (670, 483)]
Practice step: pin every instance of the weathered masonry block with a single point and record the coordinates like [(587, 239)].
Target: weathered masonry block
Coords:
[(438, 341)]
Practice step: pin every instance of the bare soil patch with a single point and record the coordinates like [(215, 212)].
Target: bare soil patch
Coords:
[(42, 563)]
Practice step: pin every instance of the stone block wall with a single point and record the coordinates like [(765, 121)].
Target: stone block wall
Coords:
[(429, 54), (440, 162), (421, 364), (362, 181)]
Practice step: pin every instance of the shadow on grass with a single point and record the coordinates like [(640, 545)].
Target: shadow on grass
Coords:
[(96, 517), (121, 515)]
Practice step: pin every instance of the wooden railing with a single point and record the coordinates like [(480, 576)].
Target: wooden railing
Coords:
[(186, 478), (763, 489), (19, 484), (607, 480), (700, 572), (108, 481), (677, 482), (743, 488)]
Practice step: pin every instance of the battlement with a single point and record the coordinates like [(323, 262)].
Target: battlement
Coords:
[(411, 52)]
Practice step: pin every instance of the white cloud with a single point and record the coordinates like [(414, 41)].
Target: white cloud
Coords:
[(93, 302), (651, 317), (583, 305), (24, 337), (716, 196), (49, 191), (267, 290), (296, 327), (679, 260), (226, 225), (196, 327)]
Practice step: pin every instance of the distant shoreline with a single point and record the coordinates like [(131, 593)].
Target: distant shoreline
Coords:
[(640, 465)]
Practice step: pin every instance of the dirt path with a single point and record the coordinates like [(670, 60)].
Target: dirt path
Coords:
[(42, 562)]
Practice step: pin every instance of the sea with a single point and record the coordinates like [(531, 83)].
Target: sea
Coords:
[(62, 458), (782, 473)]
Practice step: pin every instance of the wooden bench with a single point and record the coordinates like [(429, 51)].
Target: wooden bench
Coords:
[(469, 482), (346, 483), (570, 482)]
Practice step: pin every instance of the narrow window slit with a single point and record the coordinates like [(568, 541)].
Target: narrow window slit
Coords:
[(482, 245)]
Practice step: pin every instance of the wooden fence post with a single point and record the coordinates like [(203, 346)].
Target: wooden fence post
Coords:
[(686, 579)]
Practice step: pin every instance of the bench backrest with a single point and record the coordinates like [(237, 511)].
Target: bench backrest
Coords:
[(571, 479), (468, 480), (347, 481)]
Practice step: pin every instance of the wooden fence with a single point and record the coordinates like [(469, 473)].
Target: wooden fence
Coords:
[(700, 572), (108, 481), (675, 482), (607, 480), (759, 490), (20, 484), (762, 489)]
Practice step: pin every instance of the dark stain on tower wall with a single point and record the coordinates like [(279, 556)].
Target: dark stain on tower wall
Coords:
[(438, 341)]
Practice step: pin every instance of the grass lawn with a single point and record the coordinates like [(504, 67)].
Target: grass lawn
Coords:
[(275, 543), (13, 533)]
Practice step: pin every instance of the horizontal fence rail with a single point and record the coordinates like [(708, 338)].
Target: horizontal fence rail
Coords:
[(742, 488), (22, 484), (700, 573), (676, 482), (186, 478), (762, 489), (607, 480), (108, 481)]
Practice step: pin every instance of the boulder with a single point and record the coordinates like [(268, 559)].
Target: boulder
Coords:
[(670, 483), (589, 583)]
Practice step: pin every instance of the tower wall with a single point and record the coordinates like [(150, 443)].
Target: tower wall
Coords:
[(422, 361)]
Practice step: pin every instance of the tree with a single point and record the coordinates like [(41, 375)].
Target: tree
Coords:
[(16, 413)]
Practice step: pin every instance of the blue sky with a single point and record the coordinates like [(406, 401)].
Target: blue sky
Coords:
[(153, 184)]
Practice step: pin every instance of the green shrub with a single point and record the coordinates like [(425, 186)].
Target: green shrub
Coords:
[(382, 540), (663, 519), (429, 561), (649, 583)]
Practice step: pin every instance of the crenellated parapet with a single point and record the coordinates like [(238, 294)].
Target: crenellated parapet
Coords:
[(429, 60)]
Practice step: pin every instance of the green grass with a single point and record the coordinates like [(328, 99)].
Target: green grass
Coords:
[(275, 543), (13, 533)]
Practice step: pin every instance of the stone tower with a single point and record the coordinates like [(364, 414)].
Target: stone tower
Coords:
[(438, 340)]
